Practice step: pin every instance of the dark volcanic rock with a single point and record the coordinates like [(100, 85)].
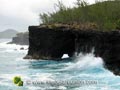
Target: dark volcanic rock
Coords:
[(46, 43), (22, 48), (105, 44)]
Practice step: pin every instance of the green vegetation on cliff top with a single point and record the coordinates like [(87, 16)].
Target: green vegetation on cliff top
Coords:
[(100, 16)]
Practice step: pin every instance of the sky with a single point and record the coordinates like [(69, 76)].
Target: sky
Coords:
[(19, 14)]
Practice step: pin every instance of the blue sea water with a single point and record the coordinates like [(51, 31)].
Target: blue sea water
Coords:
[(84, 68)]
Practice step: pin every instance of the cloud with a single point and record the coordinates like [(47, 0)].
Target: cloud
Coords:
[(19, 14)]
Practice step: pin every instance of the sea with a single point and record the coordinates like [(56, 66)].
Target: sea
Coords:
[(85, 72)]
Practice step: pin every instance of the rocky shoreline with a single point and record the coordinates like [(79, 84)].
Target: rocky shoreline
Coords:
[(52, 43), (20, 39)]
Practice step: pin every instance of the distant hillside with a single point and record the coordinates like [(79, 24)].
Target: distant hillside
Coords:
[(21, 39), (9, 33)]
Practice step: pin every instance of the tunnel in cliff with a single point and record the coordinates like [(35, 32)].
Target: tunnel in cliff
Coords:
[(47, 43)]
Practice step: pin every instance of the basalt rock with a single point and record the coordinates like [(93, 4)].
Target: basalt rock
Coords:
[(46, 43), (52, 43), (105, 44)]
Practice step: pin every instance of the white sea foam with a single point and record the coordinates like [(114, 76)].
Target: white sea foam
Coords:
[(46, 88), (20, 59), (44, 76), (2, 83), (11, 76), (84, 61), (35, 88), (65, 56), (94, 88), (12, 46)]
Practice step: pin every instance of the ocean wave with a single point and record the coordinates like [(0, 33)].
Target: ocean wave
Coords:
[(85, 61), (12, 47)]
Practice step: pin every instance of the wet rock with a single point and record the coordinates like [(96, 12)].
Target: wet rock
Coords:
[(28, 57), (22, 48), (48, 43)]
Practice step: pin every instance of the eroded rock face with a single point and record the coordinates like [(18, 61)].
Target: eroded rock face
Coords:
[(105, 44), (46, 43)]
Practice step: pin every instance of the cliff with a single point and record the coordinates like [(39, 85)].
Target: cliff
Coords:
[(52, 43), (21, 39), (46, 43), (106, 45)]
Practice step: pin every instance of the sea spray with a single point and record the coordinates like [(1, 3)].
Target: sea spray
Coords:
[(85, 61)]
